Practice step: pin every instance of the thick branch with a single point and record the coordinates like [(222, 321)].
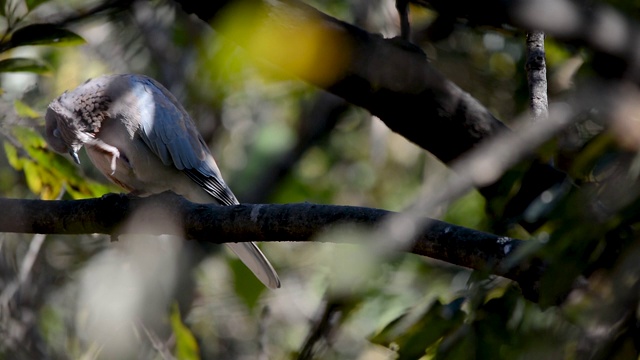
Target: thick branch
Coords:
[(389, 77), (394, 81), (247, 222)]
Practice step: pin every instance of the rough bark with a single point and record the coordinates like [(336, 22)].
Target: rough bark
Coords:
[(119, 214)]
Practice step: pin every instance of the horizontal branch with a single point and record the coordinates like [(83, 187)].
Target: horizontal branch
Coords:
[(113, 214)]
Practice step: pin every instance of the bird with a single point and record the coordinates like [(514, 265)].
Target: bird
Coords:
[(140, 137)]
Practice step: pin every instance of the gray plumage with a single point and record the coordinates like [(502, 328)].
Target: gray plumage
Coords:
[(141, 138)]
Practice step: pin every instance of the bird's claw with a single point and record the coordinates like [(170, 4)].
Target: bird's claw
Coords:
[(114, 159)]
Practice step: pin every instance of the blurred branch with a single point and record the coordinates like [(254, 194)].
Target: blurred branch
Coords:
[(101, 8), (390, 78), (292, 222), (323, 328), (25, 270)]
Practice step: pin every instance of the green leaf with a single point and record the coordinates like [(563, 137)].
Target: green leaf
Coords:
[(414, 332), (28, 138), (186, 344), (32, 174), (246, 285), (25, 110), (53, 169), (44, 34), (24, 64), (51, 324), (12, 156), (32, 4)]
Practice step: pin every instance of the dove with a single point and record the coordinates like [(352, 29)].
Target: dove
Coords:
[(141, 138)]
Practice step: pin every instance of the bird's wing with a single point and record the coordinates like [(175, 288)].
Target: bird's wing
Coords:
[(171, 134)]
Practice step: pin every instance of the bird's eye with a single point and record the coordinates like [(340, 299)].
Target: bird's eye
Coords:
[(56, 133)]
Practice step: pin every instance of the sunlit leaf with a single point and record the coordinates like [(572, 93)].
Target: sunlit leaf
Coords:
[(51, 189), (186, 344), (32, 175), (12, 156), (281, 36), (54, 170), (44, 34), (28, 137), (24, 65), (25, 110)]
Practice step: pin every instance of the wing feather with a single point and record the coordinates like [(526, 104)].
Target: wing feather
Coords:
[(170, 133)]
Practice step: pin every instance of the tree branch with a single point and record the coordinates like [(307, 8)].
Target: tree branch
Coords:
[(537, 75), (393, 80), (112, 214), (390, 78)]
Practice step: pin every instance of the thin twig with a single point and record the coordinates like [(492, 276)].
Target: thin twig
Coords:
[(157, 344), (262, 333), (320, 333), (25, 269), (26, 266)]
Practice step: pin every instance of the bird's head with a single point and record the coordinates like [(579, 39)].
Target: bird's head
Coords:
[(65, 131)]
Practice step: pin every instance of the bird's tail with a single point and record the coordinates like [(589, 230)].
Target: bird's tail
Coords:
[(253, 258)]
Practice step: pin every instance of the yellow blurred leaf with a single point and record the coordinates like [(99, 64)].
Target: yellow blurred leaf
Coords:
[(51, 191), (296, 41), (25, 65), (28, 137), (186, 344), (32, 175), (12, 156), (25, 110), (48, 171)]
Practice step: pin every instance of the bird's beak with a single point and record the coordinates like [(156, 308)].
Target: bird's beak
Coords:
[(74, 155)]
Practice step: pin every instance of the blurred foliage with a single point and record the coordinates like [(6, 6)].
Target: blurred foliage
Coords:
[(46, 173), (186, 344), (382, 306)]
